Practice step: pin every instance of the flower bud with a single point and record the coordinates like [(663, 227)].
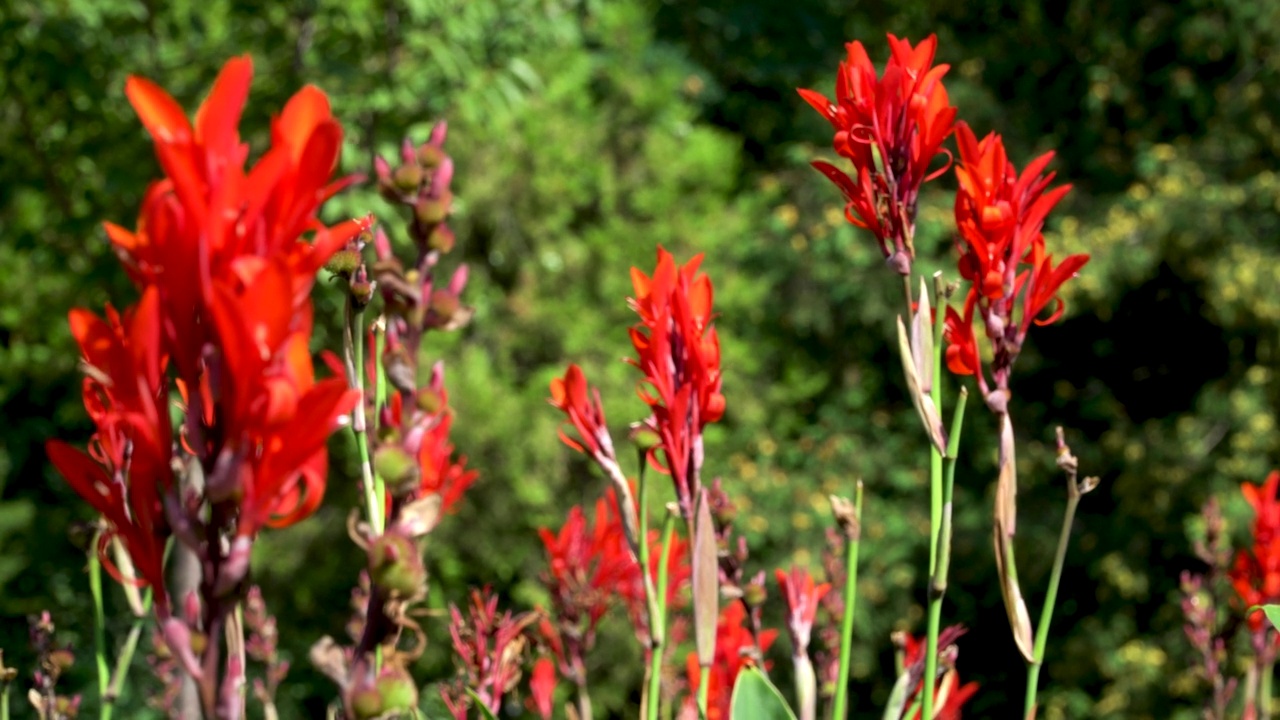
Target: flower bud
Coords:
[(430, 156), (344, 262), (365, 703), (61, 660), (444, 305), (429, 401), (361, 294), (644, 438), (433, 210), (397, 468), (398, 691), (395, 564), (441, 239), (407, 178), (754, 594)]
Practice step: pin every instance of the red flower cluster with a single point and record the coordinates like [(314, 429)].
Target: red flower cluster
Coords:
[(590, 567), (678, 351), (128, 467), (736, 649), (1000, 214), (802, 597), (955, 694), (225, 279), (1256, 573), (890, 127), (582, 405), (488, 644)]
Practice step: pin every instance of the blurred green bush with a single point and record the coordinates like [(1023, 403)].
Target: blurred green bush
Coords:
[(588, 132)]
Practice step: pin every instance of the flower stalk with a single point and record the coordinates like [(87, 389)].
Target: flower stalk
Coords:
[(938, 497), (99, 626), (849, 518), (1075, 490)]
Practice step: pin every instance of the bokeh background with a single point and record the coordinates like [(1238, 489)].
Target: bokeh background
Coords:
[(588, 132)]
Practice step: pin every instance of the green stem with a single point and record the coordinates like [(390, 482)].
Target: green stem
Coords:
[(99, 628), (839, 705), (374, 492), (4, 701), (1264, 685), (650, 599), (935, 505), (658, 619), (125, 660), (1046, 615), (704, 688)]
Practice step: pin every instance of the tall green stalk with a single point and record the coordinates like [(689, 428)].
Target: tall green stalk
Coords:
[(839, 705), (374, 492), (1046, 614), (99, 627), (125, 660), (935, 503), (658, 619), (1264, 686)]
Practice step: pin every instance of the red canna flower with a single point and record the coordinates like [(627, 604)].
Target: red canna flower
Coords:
[(678, 351), (1000, 214), (128, 464), (542, 686), (211, 219), (273, 417), (949, 690), (802, 597), (735, 649), (1256, 572), (588, 563), (581, 403), (890, 127)]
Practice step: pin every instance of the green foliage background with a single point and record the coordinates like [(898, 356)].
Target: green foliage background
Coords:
[(588, 132)]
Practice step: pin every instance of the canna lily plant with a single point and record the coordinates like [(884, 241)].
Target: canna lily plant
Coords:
[(225, 257)]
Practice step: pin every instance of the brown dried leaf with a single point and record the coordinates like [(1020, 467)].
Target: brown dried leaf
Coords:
[(706, 582)]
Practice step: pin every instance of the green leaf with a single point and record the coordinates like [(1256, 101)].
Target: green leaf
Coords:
[(898, 698), (1272, 613), (755, 698), (485, 712)]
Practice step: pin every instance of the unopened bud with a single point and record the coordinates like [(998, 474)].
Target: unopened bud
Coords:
[(344, 262), (433, 210), (361, 294), (754, 594), (407, 178), (429, 401), (430, 156), (395, 564), (444, 305), (441, 239), (61, 660), (67, 707), (398, 690), (365, 703), (644, 438), (397, 468)]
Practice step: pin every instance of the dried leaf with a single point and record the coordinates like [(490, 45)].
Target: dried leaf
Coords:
[(924, 404), (1005, 517), (420, 516), (706, 582)]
